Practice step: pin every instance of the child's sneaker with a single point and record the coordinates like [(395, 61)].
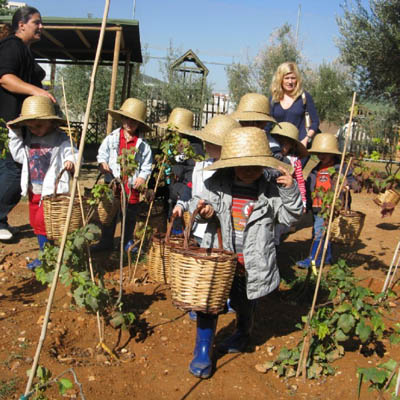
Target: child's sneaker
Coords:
[(306, 263)]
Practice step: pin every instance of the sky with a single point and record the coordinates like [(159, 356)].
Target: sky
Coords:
[(218, 31)]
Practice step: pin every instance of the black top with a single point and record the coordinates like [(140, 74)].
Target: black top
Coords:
[(17, 59)]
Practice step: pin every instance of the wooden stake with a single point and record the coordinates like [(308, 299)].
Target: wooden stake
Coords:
[(100, 332), (114, 74), (395, 256), (148, 217), (303, 361), (71, 202)]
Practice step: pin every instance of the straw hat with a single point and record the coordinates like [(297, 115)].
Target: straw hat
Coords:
[(290, 131), (181, 120), (217, 128), (246, 146), (253, 107), (325, 143), (134, 109), (36, 107)]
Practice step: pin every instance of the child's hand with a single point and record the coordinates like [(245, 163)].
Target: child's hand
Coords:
[(177, 211), (138, 183), (69, 166), (206, 211), (105, 168), (285, 179)]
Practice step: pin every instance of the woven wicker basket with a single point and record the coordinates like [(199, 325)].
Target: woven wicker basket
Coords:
[(389, 196), (55, 209), (346, 227), (105, 211), (201, 279), (158, 258)]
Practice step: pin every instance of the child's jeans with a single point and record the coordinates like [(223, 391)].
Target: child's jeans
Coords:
[(319, 227), (36, 216)]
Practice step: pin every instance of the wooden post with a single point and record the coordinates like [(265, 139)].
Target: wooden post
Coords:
[(52, 74), (114, 74), (124, 94), (71, 203)]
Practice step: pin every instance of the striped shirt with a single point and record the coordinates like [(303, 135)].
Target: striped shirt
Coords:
[(244, 197)]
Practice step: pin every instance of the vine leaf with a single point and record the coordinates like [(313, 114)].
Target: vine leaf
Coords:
[(363, 331), (346, 322)]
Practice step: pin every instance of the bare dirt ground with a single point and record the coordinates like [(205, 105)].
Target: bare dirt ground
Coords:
[(154, 357)]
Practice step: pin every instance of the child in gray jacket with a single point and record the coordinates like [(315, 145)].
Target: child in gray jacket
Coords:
[(247, 204)]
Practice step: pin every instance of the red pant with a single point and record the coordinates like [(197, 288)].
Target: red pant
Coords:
[(36, 216)]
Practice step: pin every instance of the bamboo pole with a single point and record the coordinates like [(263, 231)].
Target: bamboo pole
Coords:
[(395, 256), (81, 205), (114, 74), (71, 202), (147, 218), (301, 367)]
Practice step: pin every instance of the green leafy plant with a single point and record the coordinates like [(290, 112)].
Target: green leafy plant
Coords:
[(74, 273), (99, 192), (44, 381), (381, 378), (3, 140), (127, 161), (351, 313), (174, 147), (7, 388)]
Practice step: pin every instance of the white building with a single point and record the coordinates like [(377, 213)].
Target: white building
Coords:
[(13, 5)]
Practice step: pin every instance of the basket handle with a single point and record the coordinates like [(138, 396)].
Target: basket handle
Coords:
[(58, 181), (346, 202), (188, 230)]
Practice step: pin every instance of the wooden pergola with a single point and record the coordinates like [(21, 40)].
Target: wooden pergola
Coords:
[(74, 41)]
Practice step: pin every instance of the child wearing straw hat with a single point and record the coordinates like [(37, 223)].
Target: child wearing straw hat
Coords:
[(129, 135), (247, 204), (325, 146), (287, 135), (179, 177), (212, 135), (254, 110), (43, 150)]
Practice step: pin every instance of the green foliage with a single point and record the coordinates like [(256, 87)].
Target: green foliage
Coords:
[(3, 9), (182, 89), (352, 312), (331, 92), (282, 47), (239, 81), (3, 140), (44, 381), (7, 388), (381, 378), (127, 161), (99, 192), (369, 44), (326, 197), (74, 273), (173, 145)]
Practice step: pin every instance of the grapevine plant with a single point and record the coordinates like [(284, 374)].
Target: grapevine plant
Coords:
[(352, 313), (75, 274), (3, 140)]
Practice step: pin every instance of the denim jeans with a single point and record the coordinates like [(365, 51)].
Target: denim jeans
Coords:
[(10, 188), (319, 227)]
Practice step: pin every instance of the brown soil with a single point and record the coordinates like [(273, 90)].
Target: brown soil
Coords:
[(154, 357)]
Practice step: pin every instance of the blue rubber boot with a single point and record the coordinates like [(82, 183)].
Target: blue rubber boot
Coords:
[(129, 247), (306, 263), (239, 340), (201, 364), (42, 240)]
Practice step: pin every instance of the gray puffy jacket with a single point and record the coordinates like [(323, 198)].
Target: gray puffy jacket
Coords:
[(274, 204)]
